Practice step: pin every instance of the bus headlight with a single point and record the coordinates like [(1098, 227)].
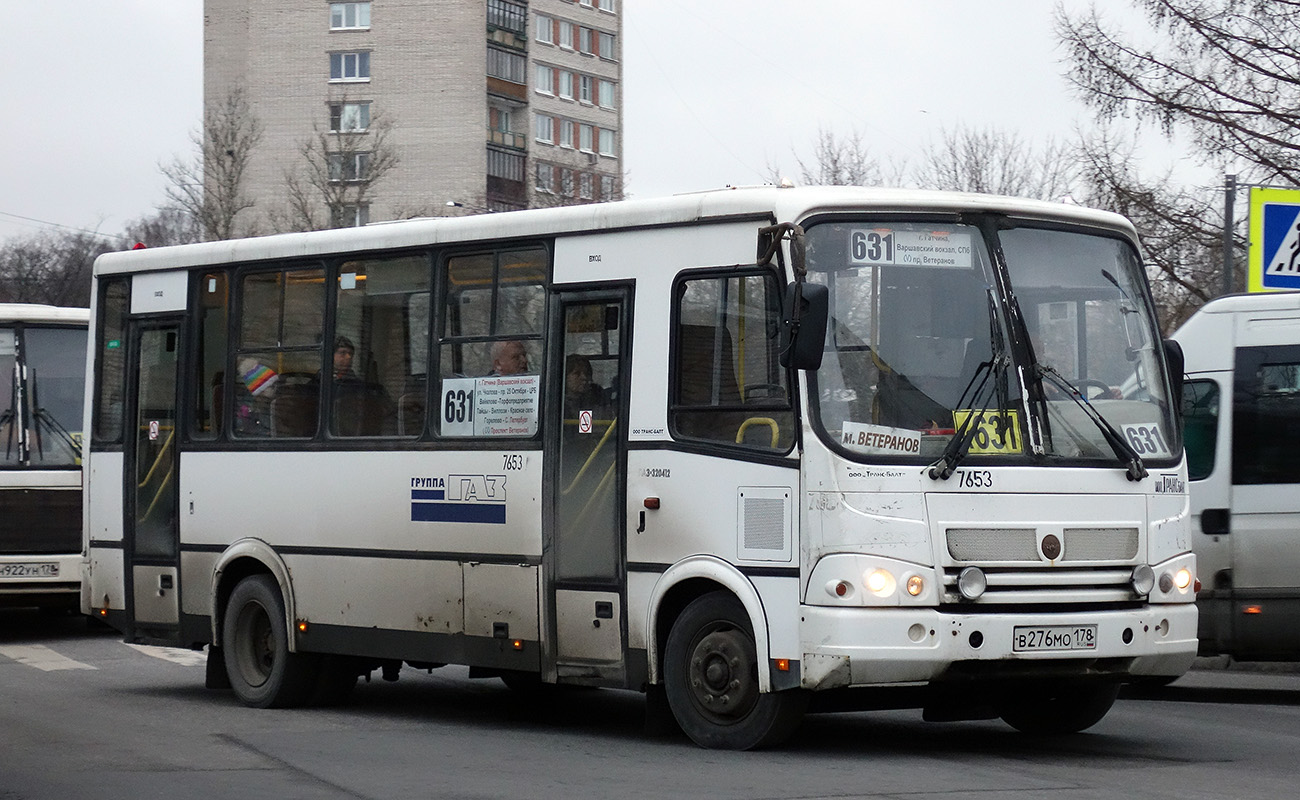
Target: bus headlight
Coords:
[(1183, 579), (880, 582)]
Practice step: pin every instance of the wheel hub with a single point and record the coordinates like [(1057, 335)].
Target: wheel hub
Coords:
[(723, 679)]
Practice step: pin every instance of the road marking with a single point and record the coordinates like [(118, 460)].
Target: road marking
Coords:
[(176, 655), (41, 657)]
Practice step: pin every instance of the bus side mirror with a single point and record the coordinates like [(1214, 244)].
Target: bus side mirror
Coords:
[(803, 325), (1177, 364)]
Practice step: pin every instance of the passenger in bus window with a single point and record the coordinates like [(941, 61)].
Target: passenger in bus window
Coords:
[(344, 351), (361, 408), (509, 357), (581, 393)]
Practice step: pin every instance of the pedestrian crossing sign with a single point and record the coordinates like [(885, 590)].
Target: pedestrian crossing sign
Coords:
[(1274, 254)]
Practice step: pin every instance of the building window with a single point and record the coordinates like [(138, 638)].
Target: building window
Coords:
[(606, 94), (607, 143), (584, 40), (350, 66), (545, 80), (584, 138), (507, 15), (506, 65), (566, 133), (349, 16), (348, 166), (545, 129), (566, 85), (545, 174), (566, 182), (605, 5), (566, 34), (349, 117), (606, 187), (584, 88), (584, 185), (351, 215), (607, 45), (545, 30)]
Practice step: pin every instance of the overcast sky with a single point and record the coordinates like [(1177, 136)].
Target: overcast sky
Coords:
[(99, 92)]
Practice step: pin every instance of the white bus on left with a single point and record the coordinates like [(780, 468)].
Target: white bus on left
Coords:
[(42, 389)]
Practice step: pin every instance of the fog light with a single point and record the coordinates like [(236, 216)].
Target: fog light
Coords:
[(915, 585), (880, 583), (1142, 580), (1183, 578), (972, 583), (1166, 582)]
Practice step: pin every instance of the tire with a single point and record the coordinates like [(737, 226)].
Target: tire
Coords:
[(711, 679), (1057, 710), (255, 644)]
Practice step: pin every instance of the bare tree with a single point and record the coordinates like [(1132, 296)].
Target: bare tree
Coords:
[(996, 162), (339, 169), (1181, 226), (835, 161), (168, 225), (1225, 71), (210, 184), (51, 268)]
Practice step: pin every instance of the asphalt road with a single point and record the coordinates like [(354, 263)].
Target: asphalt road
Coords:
[(83, 714)]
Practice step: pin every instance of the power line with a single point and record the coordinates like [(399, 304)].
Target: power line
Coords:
[(48, 224)]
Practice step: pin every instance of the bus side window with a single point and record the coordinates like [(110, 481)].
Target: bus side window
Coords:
[(728, 385)]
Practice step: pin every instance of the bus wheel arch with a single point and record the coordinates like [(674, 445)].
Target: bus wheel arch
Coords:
[(688, 580), (241, 560)]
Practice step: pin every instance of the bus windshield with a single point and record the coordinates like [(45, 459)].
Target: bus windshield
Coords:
[(918, 346), (42, 399)]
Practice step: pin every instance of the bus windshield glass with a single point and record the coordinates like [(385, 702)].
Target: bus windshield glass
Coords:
[(53, 361), (919, 343)]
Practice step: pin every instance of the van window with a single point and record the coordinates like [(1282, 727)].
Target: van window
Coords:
[(1200, 426), (1266, 404)]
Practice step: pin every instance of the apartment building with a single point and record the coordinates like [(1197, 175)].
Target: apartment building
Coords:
[(395, 108)]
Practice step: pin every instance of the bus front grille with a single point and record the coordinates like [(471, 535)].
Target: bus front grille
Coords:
[(40, 521)]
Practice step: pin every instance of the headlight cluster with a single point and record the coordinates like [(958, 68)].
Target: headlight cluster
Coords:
[(849, 579), (1174, 581)]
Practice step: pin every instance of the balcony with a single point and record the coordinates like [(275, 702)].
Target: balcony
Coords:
[(516, 141)]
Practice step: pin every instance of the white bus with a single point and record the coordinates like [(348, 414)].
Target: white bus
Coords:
[(1242, 429), (734, 449), (42, 389)]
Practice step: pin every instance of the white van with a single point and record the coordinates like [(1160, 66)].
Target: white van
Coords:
[(1241, 408)]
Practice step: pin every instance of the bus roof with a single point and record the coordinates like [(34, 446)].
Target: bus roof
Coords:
[(775, 203), (37, 312)]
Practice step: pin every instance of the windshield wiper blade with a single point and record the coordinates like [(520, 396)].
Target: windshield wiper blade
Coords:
[(1128, 457), (959, 445)]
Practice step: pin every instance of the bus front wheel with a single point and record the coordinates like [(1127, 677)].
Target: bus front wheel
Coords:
[(1063, 709), (255, 643), (711, 679)]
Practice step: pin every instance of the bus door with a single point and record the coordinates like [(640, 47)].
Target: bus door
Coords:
[(151, 496), (586, 557)]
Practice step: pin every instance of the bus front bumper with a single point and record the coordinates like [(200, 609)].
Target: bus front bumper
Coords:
[(875, 647)]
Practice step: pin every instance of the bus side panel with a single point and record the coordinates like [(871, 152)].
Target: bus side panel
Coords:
[(701, 512), (378, 539), (106, 585)]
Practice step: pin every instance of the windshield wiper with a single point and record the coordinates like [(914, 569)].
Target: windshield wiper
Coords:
[(959, 445), (1127, 456)]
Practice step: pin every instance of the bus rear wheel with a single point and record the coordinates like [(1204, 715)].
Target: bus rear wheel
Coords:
[(255, 643), (711, 679), (1067, 708)]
